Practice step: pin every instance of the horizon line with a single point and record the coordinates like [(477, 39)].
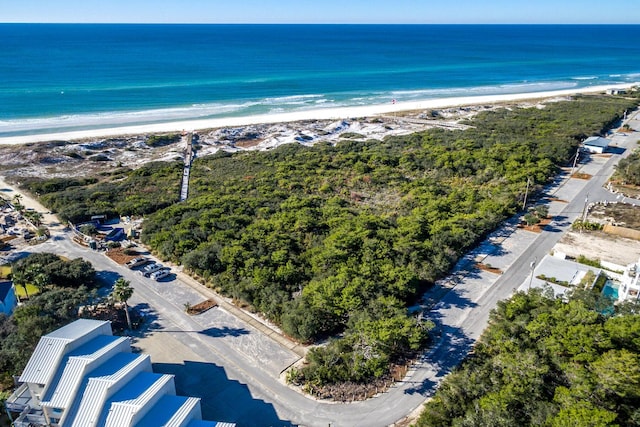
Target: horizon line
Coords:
[(323, 23)]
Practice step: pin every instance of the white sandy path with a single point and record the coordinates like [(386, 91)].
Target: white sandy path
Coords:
[(9, 191), (321, 114)]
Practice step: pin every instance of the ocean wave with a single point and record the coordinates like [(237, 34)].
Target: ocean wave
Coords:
[(585, 78), (277, 104), (524, 87)]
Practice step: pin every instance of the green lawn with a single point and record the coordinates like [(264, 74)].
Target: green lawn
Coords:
[(33, 290), (5, 270)]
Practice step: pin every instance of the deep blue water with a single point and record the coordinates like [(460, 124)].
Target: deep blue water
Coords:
[(57, 76)]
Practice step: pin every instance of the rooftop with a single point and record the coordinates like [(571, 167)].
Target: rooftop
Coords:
[(596, 141), (5, 287)]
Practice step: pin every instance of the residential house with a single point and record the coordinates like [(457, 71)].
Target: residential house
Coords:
[(8, 299), (81, 375)]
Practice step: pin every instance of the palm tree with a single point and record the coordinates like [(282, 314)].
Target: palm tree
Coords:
[(122, 291), (35, 217), (19, 278), (37, 276), (17, 203)]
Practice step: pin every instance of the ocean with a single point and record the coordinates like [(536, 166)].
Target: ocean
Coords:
[(61, 77)]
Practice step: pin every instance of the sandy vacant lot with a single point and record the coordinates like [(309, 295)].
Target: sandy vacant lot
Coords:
[(599, 245)]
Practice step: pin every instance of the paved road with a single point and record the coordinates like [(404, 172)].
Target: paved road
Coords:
[(236, 370)]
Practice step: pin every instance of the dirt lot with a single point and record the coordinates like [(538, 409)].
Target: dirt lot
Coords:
[(599, 245), (619, 214)]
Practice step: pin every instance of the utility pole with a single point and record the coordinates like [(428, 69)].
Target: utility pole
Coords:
[(526, 193), (575, 160), (532, 266), (584, 209)]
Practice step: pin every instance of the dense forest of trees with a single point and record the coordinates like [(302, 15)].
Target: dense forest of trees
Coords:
[(64, 286), (547, 362), (120, 192), (338, 240)]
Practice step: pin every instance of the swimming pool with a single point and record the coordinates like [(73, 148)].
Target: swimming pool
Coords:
[(610, 290)]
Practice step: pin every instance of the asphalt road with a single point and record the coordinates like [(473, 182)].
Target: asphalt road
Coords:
[(236, 370)]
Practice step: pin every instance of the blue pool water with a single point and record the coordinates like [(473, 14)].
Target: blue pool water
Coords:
[(610, 290)]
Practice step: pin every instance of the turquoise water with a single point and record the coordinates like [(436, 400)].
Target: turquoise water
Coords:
[(610, 290), (60, 76)]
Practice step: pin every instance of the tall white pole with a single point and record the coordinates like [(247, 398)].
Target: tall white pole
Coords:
[(575, 160), (526, 192)]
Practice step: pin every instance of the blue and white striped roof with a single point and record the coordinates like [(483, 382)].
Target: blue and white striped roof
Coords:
[(52, 347)]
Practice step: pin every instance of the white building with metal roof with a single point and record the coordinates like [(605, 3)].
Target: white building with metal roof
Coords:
[(596, 144), (82, 375)]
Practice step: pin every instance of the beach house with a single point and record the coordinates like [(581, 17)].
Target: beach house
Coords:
[(8, 300), (82, 375), (630, 282)]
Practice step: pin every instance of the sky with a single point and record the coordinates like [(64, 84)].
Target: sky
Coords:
[(324, 11)]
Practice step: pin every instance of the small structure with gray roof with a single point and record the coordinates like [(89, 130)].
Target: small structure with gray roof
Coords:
[(596, 144)]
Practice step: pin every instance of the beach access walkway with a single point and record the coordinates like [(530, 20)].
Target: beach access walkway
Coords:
[(188, 159)]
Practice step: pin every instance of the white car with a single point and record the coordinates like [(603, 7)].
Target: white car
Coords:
[(160, 274), (150, 269)]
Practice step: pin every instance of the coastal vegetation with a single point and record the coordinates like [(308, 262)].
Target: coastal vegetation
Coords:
[(336, 241), (62, 286), (160, 140), (119, 192), (547, 362), (628, 169)]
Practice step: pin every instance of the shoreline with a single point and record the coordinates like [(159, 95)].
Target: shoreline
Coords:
[(318, 114)]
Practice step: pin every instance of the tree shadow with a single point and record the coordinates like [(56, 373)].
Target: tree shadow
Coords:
[(224, 332), (222, 399), (451, 346), (149, 322), (453, 299), (107, 277)]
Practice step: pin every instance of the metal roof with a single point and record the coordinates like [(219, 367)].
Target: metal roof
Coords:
[(44, 360), (203, 423), (133, 401), (77, 364), (48, 353), (596, 141), (5, 287), (102, 383), (171, 411), (81, 328)]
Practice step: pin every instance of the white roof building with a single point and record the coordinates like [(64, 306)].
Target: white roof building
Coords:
[(630, 283), (81, 375), (596, 144)]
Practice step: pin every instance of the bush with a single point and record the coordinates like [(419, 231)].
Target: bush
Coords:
[(160, 140)]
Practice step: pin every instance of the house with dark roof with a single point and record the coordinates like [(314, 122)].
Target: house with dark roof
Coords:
[(8, 300), (81, 375)]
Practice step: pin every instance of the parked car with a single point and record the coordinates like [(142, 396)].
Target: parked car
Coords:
[(136, 262), (160, 274), (150, 269)]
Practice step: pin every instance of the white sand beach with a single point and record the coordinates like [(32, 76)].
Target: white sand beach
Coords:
[(319, 114)]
